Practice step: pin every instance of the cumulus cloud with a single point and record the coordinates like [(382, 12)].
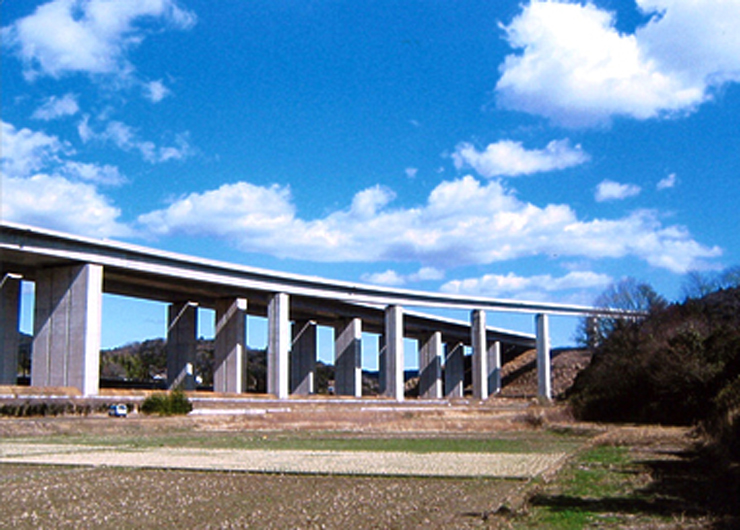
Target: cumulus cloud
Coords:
[(65, 197), (52, 201), (577, 69), (462, 223), (87, 36), (532, 286), (667, 182), (55, 107), (608, 190), (511, 159)]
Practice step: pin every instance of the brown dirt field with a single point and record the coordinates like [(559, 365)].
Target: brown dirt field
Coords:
[(63, 497)]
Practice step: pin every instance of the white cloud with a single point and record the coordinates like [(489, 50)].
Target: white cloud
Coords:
[(533, 286), (578, 70), (241, 209), (57, 203), (126, 138), (55, 107), (25, 151), (94, 173), (511, 159), (390, 278), (411, 172), (463, 222), (155, 91), (65, 198), (608, 190), (667, 182), (394, 279), (87, 36), (366, 203)]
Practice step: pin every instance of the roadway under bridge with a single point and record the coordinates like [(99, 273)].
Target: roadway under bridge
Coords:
[(71, 273)]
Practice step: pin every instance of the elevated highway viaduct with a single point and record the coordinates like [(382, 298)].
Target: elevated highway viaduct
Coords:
[(71, 273)]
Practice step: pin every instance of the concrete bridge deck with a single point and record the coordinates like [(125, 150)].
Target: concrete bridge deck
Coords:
[(71, 273)]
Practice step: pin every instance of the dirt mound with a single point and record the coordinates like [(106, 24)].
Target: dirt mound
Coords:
[(519, 375)]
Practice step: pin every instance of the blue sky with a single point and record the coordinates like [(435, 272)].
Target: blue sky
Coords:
[(526, 150)]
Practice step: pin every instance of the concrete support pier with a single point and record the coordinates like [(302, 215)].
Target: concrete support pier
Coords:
[(10, 307), (278, 345), (544, 381), (303, 358), (66, 344), (182, 345), (430, 367), (348, 358), (494, 368), (454, 370), (394, 383), (480, 354), (230, 345), (382, 385)]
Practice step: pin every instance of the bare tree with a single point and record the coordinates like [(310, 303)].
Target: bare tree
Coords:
[(698, 284), (629, 295)]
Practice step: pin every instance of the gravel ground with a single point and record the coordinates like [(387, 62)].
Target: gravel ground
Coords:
[(498, 465)]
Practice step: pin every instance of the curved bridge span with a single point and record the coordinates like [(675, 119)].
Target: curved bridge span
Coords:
[(71, 273)]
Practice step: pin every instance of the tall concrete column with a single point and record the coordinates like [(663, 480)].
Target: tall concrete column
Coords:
[(494, 368), (544, 382), (278, 345), (382, 385), (10, 307), (67, 321), (480, 354), (430, 367), (230, 345), (454, 370), (182, 345), (592, 332), (394, 352), (303, 358), (348, 359)]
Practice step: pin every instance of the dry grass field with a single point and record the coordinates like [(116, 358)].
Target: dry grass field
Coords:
[(213, 469)]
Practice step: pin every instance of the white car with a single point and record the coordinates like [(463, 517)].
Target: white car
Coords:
[(118, 411)]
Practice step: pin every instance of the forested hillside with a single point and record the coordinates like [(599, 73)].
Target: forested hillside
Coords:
[(678, 366)]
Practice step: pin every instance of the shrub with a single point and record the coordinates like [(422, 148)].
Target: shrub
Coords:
[(171, 403)]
